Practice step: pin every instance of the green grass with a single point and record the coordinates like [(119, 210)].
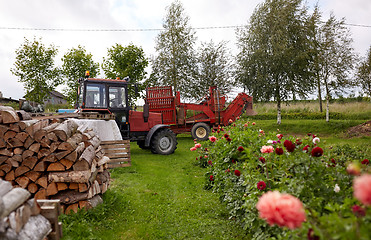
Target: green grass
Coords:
[(159, 197)]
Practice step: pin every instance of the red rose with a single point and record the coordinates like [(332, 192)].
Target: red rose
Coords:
[(261, 185), (240, 148), (365, 161), (211, 178), (359, 211), (317, 152), (210, 162), (305, 149), (298, 141), (237, 172), (279, 151), (226, 135), (290, 147), (261, 159)]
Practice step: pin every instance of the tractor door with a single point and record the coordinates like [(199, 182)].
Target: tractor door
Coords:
[(118, 104)]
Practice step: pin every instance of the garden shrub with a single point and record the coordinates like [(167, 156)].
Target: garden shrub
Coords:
[(313, 116), (243, 163)]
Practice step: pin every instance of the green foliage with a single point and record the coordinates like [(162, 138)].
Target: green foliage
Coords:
[(270, 64), (364, 74), (314, 116), (311, 179), (129, 61), (34, 67), (215, 69), (175, 63), (75, 62)]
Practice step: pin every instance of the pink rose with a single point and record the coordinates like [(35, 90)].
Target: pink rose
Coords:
[(197, 145), (281, 209), (362, 188), (266, 149), (212, 139), (193, 149)]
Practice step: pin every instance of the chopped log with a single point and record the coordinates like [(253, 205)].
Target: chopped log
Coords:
[(42, 181), (39, 135), (9, 115), (85, 160), (6, 167), (32, 187), (95, 201), (3, 159), (3, 130), (15, 142), (103, 160), (2, 143), (61, 154), (74, 155), (17, 157), (9, 134), (27, 153), (28, 142), (65, 129), (35, 147), (70, 196), (45, 142), (83, 187), (43, 152), (71, 176), (24, 124), (38, 227), (22, 136), (6, 152), (54, 146), (13, 199), (71, 143), (10, 176), (34, 206), (23, 115), (41, 194), (32, 175), (41, 166), (15, 127), (5, 187), (84, 205), (52, 137), (73, 186), (62, 186), (51, 189), (18, 151), (67, 163), (32, 129), (30, 162), (51, 127), (89, 134), (2, 174), (21, 170), (94, 189), (50, 158), (22, 181), (73, 207), (95, 142), (55, 167), (13, 163)]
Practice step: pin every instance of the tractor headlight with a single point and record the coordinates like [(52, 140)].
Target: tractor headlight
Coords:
[(123, 119)]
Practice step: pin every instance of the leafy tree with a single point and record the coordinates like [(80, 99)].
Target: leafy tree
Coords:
[(333, 58), (215, 68), (275, 52), (129, 61), (175, 63), (364, 74), (34, 66), (75, 62)]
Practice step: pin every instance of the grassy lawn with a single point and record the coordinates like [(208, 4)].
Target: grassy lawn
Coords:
[(159, 197), (162, 197)]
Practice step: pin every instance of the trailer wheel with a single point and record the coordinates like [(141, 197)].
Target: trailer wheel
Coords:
[(200, 131), (164, 142)]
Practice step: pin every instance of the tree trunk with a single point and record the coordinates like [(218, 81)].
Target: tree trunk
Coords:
[(327, 103), (278, 111), (319, 94)]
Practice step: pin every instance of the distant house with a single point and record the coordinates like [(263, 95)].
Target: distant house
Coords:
[(4, 100), (55, 97)]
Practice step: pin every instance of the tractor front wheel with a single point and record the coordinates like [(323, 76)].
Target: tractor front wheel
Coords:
[(164, 142), (200, 131)]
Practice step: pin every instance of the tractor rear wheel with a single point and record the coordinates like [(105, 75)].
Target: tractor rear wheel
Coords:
[(200, 131), (164, 142)]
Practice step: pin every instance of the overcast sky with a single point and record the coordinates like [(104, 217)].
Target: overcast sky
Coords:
[(137, 14)]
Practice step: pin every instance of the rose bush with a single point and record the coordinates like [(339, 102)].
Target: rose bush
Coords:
[(248, 163)]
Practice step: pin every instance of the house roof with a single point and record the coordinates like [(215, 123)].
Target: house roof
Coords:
[(57, 94)]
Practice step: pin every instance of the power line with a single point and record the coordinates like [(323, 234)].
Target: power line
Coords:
[(139, 29)]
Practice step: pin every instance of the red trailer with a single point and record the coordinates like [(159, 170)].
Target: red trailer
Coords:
[(198, 118)]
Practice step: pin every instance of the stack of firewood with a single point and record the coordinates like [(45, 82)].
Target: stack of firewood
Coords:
[(20, 216), (53, 159)]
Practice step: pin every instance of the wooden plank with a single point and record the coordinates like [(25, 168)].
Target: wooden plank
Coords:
[(110, 165), (115, 142)]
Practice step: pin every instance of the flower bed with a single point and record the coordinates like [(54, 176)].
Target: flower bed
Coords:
[(283, 187)]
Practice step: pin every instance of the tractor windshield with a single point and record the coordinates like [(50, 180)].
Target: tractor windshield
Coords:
[(95, 96), (117, 98)]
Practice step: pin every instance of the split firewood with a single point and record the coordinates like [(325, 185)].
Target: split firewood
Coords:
[(12, 162), (67, 163), (74, 155), (62, 186), (85, 160), (87, 135), (30, 162), (32, 187), (73, 207), (8, 115), (9, 134), (33, 175), (71, 143), (28, 142), (62, 154), (51, 189), (95, 142), (41, 194), (15, 142), (70, 196), (42, 181), (41, 166), (6, 152), (83, 187), (27, 153), (35, 147), (73, 186), (2, 143), (6, 167), (43, 152), (23, 115), (39, 135), (32, 129), (22, 181), (10, 176), (18, 151), (15, 127), (65, 129), (71, 176), (52, 137), (26, 123), (55, 167), (22, 136), (103, 160), (3, 130), (3, 159), (50, 158), (13, 199), (21, 170), (45, 142), (54, 146)]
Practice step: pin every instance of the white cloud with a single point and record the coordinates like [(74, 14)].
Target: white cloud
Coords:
[(135, 14)]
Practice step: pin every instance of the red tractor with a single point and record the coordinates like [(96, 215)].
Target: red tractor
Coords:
[(198, 118), (109, 96)]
